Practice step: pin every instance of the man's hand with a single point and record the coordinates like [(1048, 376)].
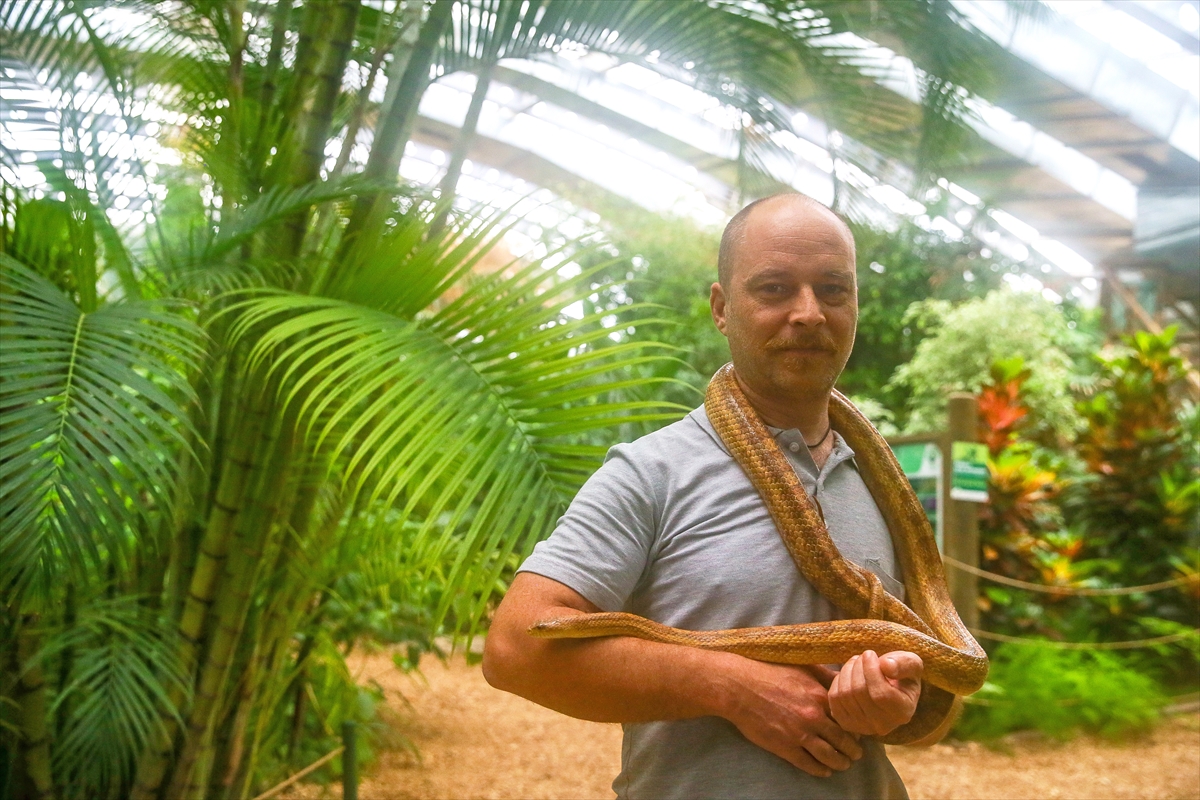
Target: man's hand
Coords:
[(873, 695), (785, 710)]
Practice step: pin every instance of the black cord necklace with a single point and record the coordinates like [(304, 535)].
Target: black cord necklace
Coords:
[(828, 431)]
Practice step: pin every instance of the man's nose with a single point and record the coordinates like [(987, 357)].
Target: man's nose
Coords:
[(806, 309)]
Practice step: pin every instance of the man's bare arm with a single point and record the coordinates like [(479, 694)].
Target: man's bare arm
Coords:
[(619, 679)]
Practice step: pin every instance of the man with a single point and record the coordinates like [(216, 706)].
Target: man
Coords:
[(671, 528)]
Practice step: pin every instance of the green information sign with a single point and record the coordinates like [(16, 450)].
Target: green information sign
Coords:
[(922, 465), (969, 474)]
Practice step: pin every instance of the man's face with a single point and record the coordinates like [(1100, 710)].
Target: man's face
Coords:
[(791, 305)]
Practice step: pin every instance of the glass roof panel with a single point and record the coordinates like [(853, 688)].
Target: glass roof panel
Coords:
[(650, 176), (1134, 38), (1108, 55)]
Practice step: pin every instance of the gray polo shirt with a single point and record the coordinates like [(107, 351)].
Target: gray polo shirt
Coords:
[(670, 528)]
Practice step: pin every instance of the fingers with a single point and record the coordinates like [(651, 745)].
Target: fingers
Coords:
[(846, 703), (826, 753), (837, 738), (822, 673), (857, 700), (902, 665), (880, 691), (865, 701), (801, 759)]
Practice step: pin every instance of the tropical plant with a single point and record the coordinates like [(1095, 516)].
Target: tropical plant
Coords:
[(1139, 498), (1061, 692), (897, 268), (1117, 510), (1000, 408), (1023, 534), (965, 342)]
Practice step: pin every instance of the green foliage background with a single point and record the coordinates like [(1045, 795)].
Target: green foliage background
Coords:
[(289, 416)]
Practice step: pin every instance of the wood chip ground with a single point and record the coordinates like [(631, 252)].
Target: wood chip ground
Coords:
[(476, 742)]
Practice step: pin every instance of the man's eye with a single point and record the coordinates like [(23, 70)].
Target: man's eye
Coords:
[(773, 288), (834, 288)]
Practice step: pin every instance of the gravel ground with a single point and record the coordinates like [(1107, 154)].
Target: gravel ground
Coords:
[(476, 742)]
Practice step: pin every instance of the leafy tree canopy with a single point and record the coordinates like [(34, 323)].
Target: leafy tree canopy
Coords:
[(968, 339)]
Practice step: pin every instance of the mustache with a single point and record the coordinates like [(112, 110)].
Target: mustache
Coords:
[(813, 342)]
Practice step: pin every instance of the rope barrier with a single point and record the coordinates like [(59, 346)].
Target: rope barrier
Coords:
[(1081, 591), (1130, 645), (320, 762)]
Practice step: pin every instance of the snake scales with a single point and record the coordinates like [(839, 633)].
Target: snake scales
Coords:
[(954, 663)]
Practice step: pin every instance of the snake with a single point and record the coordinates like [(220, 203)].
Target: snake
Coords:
[(954, 663)]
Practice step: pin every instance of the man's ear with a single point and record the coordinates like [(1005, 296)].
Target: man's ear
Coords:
[(716, 302)]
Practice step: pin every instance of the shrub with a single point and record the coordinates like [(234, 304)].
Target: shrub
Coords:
[(969, 341), (1140, 498), (1061, 692)]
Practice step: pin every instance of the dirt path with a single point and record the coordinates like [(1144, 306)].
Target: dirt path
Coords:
[(476, 742)]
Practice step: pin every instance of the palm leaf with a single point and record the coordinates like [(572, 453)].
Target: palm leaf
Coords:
[(468, 417), (119, 690), (93, 406)]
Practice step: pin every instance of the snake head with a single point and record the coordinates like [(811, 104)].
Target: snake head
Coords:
[(547, 628)]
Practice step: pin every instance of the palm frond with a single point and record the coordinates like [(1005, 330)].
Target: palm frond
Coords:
[(93, 407), (470, 418), (119, 689), (199, 259)]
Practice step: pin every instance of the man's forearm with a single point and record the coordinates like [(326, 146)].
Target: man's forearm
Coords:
[(613, 679), (782, 709)]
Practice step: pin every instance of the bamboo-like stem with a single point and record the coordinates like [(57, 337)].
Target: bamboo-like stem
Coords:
[(210, 559), (267, 480), (66, 661), (231, 134), (327, 213), (233, 749), (354, 125), (34, 748), (225, 415), (384, 161), (316, 124), (309, 49), (263, 639), (284, 607), (279, 27), (462, 145)]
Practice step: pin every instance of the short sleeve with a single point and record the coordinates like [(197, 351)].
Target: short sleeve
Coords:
[(601, 546)]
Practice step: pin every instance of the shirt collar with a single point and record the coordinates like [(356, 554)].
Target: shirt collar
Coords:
[(800, 458), (792, 443)]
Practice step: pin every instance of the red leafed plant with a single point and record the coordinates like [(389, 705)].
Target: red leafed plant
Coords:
[(1000, 406), (1021, 526)]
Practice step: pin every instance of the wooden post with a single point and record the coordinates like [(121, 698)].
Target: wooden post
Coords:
[(349, 762), (961, 525)]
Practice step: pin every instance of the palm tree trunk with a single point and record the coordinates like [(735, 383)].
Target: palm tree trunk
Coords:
[(214, 548), (285, 133), (267, 482), (66, 662), (279, 27), (231, 138), (285, 606), (233, 751), (356, 116), (384, 161), (462, 145), (34, 748), (317, 122)]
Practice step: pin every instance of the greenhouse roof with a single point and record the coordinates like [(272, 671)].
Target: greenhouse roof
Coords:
[(1060, 167), (1093, 106)]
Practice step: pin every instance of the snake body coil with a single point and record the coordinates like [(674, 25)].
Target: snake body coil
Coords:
[(955, 664)]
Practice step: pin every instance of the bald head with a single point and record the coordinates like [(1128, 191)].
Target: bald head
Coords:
[(735, 231)]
